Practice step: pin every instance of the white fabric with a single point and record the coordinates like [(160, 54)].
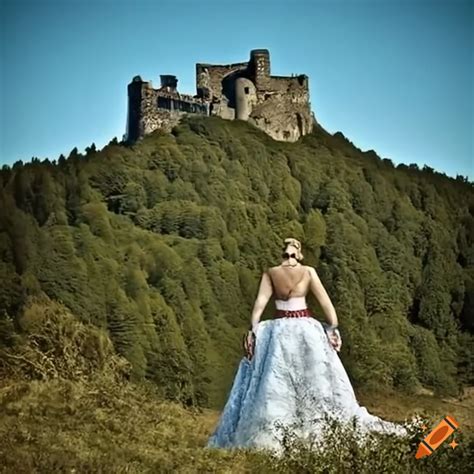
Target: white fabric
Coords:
[(295, 374), (292, 304)]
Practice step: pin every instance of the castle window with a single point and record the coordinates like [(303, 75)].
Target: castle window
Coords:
[(164, 103), (246, 90)]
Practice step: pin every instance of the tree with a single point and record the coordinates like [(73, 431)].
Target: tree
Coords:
[(90, 149)]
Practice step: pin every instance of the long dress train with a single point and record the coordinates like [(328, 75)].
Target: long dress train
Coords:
[(294, 376)]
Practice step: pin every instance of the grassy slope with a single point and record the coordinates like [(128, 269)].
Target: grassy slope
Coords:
[(68, 405), (55, 426)]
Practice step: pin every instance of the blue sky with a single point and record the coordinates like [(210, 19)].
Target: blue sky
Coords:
[(395, 76)]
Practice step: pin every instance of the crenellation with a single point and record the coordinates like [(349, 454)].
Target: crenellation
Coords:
[(279, 105)]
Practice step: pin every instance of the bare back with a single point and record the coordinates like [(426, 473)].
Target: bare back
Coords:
[(297, 279)]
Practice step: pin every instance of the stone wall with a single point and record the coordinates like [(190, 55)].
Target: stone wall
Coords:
[(150, 109), (279, 105), (209, 78), (283, 109)]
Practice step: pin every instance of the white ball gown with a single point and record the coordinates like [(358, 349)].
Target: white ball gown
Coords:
[(295, 376)]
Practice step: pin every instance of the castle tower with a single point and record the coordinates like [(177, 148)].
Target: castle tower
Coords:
[(259, 66), (244, 98), (168, 82), (135, 94)]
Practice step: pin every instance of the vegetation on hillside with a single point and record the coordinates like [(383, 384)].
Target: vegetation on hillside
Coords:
[(162, 244)]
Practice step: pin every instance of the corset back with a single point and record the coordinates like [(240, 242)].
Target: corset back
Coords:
[(292, 304)]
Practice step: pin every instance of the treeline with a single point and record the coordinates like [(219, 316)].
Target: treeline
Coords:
[(163, 244)]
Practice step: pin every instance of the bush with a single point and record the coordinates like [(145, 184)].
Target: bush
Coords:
[(342, 449), (54, 344)]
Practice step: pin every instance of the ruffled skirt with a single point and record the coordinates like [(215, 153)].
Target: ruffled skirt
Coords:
[(295, 379)]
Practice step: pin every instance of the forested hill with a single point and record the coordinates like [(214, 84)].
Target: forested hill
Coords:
[(163, 244)]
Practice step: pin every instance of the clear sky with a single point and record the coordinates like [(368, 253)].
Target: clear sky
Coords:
[(395, 76)]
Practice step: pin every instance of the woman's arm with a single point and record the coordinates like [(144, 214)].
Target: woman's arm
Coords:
[(320, 293), (265, 292)]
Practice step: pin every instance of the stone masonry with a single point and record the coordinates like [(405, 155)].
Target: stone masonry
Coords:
[(243, 91)]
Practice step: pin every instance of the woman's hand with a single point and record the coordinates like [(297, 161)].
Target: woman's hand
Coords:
[(335, 340), (249, 344), (334, 336)]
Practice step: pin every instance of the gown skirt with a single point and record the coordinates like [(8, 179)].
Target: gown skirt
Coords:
[(295, 378)]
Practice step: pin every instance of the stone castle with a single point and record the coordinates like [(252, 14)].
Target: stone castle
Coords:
[(279, 105)]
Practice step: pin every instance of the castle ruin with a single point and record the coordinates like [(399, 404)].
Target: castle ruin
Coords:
[(279, 105)]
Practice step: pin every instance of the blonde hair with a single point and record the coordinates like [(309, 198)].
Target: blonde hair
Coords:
[(295, 243)]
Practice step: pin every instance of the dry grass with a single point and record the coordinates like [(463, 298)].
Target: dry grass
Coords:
[(61, 425), (67, 406), (397, 406), (69, 426)]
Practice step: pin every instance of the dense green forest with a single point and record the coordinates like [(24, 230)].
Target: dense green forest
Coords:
[(162, 244)]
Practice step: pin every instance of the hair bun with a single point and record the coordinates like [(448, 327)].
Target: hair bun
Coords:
[(294, 243)]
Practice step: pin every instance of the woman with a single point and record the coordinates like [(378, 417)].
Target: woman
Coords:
[(292, 374)]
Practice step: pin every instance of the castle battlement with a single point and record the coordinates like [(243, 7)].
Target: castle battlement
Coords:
[(279, 105)]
